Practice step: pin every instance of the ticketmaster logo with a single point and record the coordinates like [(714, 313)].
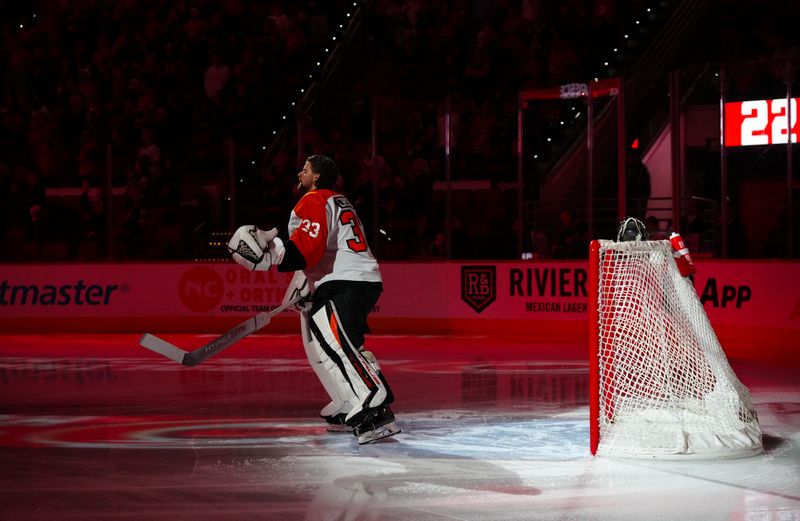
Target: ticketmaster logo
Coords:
[(79, 294)]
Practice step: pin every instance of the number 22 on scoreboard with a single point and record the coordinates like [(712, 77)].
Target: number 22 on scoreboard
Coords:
[(760, 122)]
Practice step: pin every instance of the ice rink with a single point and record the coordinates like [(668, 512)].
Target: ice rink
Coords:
[(94, 427)]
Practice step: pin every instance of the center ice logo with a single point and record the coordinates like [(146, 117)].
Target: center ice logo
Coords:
[(478, 286)]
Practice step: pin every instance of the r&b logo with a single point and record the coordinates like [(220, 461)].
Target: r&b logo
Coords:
[(478, 286)]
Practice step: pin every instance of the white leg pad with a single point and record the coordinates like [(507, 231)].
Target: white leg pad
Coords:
[(339, 402), (355, 378)]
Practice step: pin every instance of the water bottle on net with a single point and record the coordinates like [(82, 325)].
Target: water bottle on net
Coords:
[(682, 256)]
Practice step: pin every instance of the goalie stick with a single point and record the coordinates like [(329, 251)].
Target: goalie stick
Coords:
[(227, 339)]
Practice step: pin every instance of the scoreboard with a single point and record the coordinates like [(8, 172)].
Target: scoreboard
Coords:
[(761, 122)]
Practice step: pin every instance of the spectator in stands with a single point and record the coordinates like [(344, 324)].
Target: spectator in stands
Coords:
[(93, 211), (35, 202), (654, 228), (372, 168), (693, 226), (571, 241), (637, 185), (216, 76), (420, 186), (439, 244), (396, 225), (114, 82), (737, 235), (6, 199), (90, 158), (133, 225), (149, 156), (421, 244), (460, 240), (421, 132), (482, 129), (364, 186), (41, 141), (279, 17), (311, 136), (563, 62), (478, 72), (296, 40), (195, 28)]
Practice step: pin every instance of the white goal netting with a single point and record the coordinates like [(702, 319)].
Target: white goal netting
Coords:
[(665, 387)]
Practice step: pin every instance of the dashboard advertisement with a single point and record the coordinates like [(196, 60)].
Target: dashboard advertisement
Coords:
[(547, 298)]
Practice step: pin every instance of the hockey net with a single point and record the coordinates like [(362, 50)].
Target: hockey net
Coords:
[(660, 384)]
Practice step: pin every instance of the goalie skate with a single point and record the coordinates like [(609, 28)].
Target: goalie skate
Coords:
[(336, 423), (377, 427)]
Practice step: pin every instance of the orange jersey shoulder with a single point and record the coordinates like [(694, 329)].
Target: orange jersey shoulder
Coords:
[(308, 225)]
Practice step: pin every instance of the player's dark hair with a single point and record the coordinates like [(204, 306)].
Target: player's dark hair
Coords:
[(326, 169)]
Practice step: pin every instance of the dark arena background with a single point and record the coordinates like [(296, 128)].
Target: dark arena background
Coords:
[(483, 144)]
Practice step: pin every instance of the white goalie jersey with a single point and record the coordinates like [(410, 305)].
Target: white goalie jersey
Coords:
[(325, 228)]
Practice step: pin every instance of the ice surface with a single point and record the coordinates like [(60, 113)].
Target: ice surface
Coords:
[(490, 432)]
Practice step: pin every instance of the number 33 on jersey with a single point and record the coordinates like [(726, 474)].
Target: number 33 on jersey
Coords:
[(325, 228)]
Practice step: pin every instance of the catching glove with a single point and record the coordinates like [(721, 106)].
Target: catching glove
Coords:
[(256, 249)]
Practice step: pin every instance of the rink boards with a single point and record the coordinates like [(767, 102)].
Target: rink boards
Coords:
[(745, 301)]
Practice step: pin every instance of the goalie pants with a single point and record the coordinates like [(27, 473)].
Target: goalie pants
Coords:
[(337, 322), (353, 301)]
